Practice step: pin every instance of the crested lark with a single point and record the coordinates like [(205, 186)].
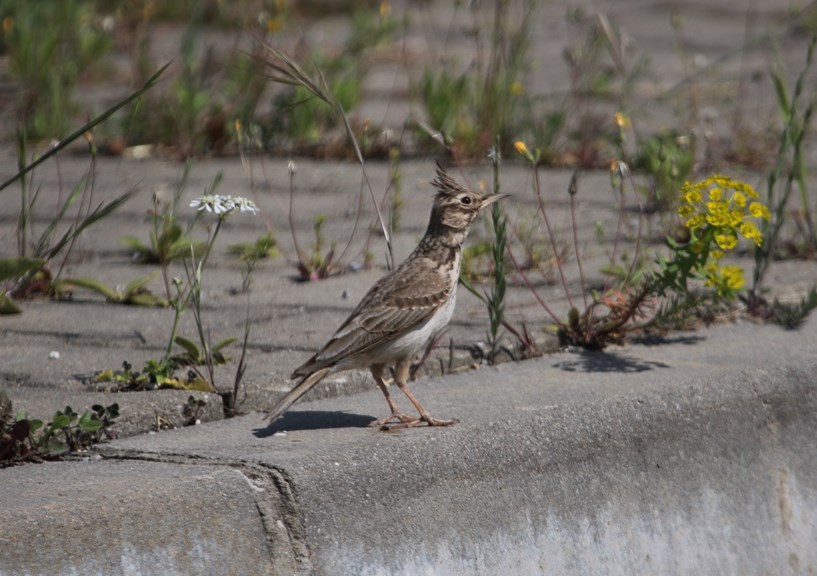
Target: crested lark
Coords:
[(404, 311)]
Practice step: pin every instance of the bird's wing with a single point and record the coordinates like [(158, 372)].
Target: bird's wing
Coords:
[(392, 306)]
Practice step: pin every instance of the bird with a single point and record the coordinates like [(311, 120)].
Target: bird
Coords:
[(403, 311)]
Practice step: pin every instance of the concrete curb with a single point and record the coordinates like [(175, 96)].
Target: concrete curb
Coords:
[(650, 459)]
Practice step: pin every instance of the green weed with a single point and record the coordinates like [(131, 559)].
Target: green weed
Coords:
[(27, 439), (787, 174), (264, 247), (50, 45)]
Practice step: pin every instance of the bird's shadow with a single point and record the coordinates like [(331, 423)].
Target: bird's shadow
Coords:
[(313, 420), (596, 361)]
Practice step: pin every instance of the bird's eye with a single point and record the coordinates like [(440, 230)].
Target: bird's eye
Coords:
[(465, 200)]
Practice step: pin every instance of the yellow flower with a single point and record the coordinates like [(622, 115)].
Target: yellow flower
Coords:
[(726, 241), (696, 221), (385, 9), (693, 196), (522, 148), (717, 218), (735, 217), (750, 231), (685, 210), (8, 24), (717, 207), (621, 120), (517, 88), (759, 210), (748, 190), (734, 276), (716, 254), (716, 194), (739, 199)]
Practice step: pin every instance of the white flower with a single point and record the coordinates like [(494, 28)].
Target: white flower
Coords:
[(223, 205), (245, 204), (291, 168), (207, 202)]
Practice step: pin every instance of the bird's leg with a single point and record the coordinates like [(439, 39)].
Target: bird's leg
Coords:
[(401, 374), (396, 415)]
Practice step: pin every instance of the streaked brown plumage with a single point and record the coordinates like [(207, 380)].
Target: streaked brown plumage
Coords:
[(404, 310)]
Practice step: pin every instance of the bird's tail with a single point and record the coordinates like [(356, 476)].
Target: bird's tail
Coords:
[(303, 386)]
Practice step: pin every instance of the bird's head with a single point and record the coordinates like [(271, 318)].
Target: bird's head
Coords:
[(454, 206)]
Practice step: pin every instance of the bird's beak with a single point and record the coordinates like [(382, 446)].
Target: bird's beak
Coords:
[(488, 200)]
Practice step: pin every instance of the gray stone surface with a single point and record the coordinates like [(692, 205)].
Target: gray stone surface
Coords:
[(695, 454), (103, 518)]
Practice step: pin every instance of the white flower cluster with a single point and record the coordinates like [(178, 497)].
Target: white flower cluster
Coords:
[(223, 205)]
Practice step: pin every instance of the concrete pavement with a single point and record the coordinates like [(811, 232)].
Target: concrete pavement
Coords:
[(695, 455)]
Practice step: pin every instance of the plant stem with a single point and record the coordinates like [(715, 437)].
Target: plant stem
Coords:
[(572, 189), (298, 252), (551, 237), (791, 138), (496, 302), (23, 224)]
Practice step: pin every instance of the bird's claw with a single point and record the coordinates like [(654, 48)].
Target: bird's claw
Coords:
[(437, 422), (402, 420)]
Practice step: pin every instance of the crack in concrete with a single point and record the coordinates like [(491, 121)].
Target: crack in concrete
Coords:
[(276, 499)]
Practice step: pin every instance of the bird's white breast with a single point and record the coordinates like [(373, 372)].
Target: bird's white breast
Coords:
[(414, 341)]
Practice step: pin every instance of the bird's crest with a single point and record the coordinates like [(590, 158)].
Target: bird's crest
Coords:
[(445, 184)]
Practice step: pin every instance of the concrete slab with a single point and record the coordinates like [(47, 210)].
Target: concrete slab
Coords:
[(693, 455), (134, 517)]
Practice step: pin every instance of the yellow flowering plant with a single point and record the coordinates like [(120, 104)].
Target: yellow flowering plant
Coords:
[(718, 212)]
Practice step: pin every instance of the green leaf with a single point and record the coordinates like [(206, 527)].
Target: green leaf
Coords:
[(133, 243), (199, 384), (17, 267), (45, 237), (100, 212), (7, 306), (104, 376), (190, 347), (89, 422), (94, 285), (223, 343), (53, 445), (172, 234), (146, 299), (135, 285), (782, 94), (59, 421)]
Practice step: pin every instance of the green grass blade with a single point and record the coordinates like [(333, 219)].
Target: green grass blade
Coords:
[(94, 285), (87, 126), (99, 213)]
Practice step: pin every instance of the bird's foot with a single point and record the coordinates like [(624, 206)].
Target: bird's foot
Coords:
[(437, 422), (410, 422), (402, 420)]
